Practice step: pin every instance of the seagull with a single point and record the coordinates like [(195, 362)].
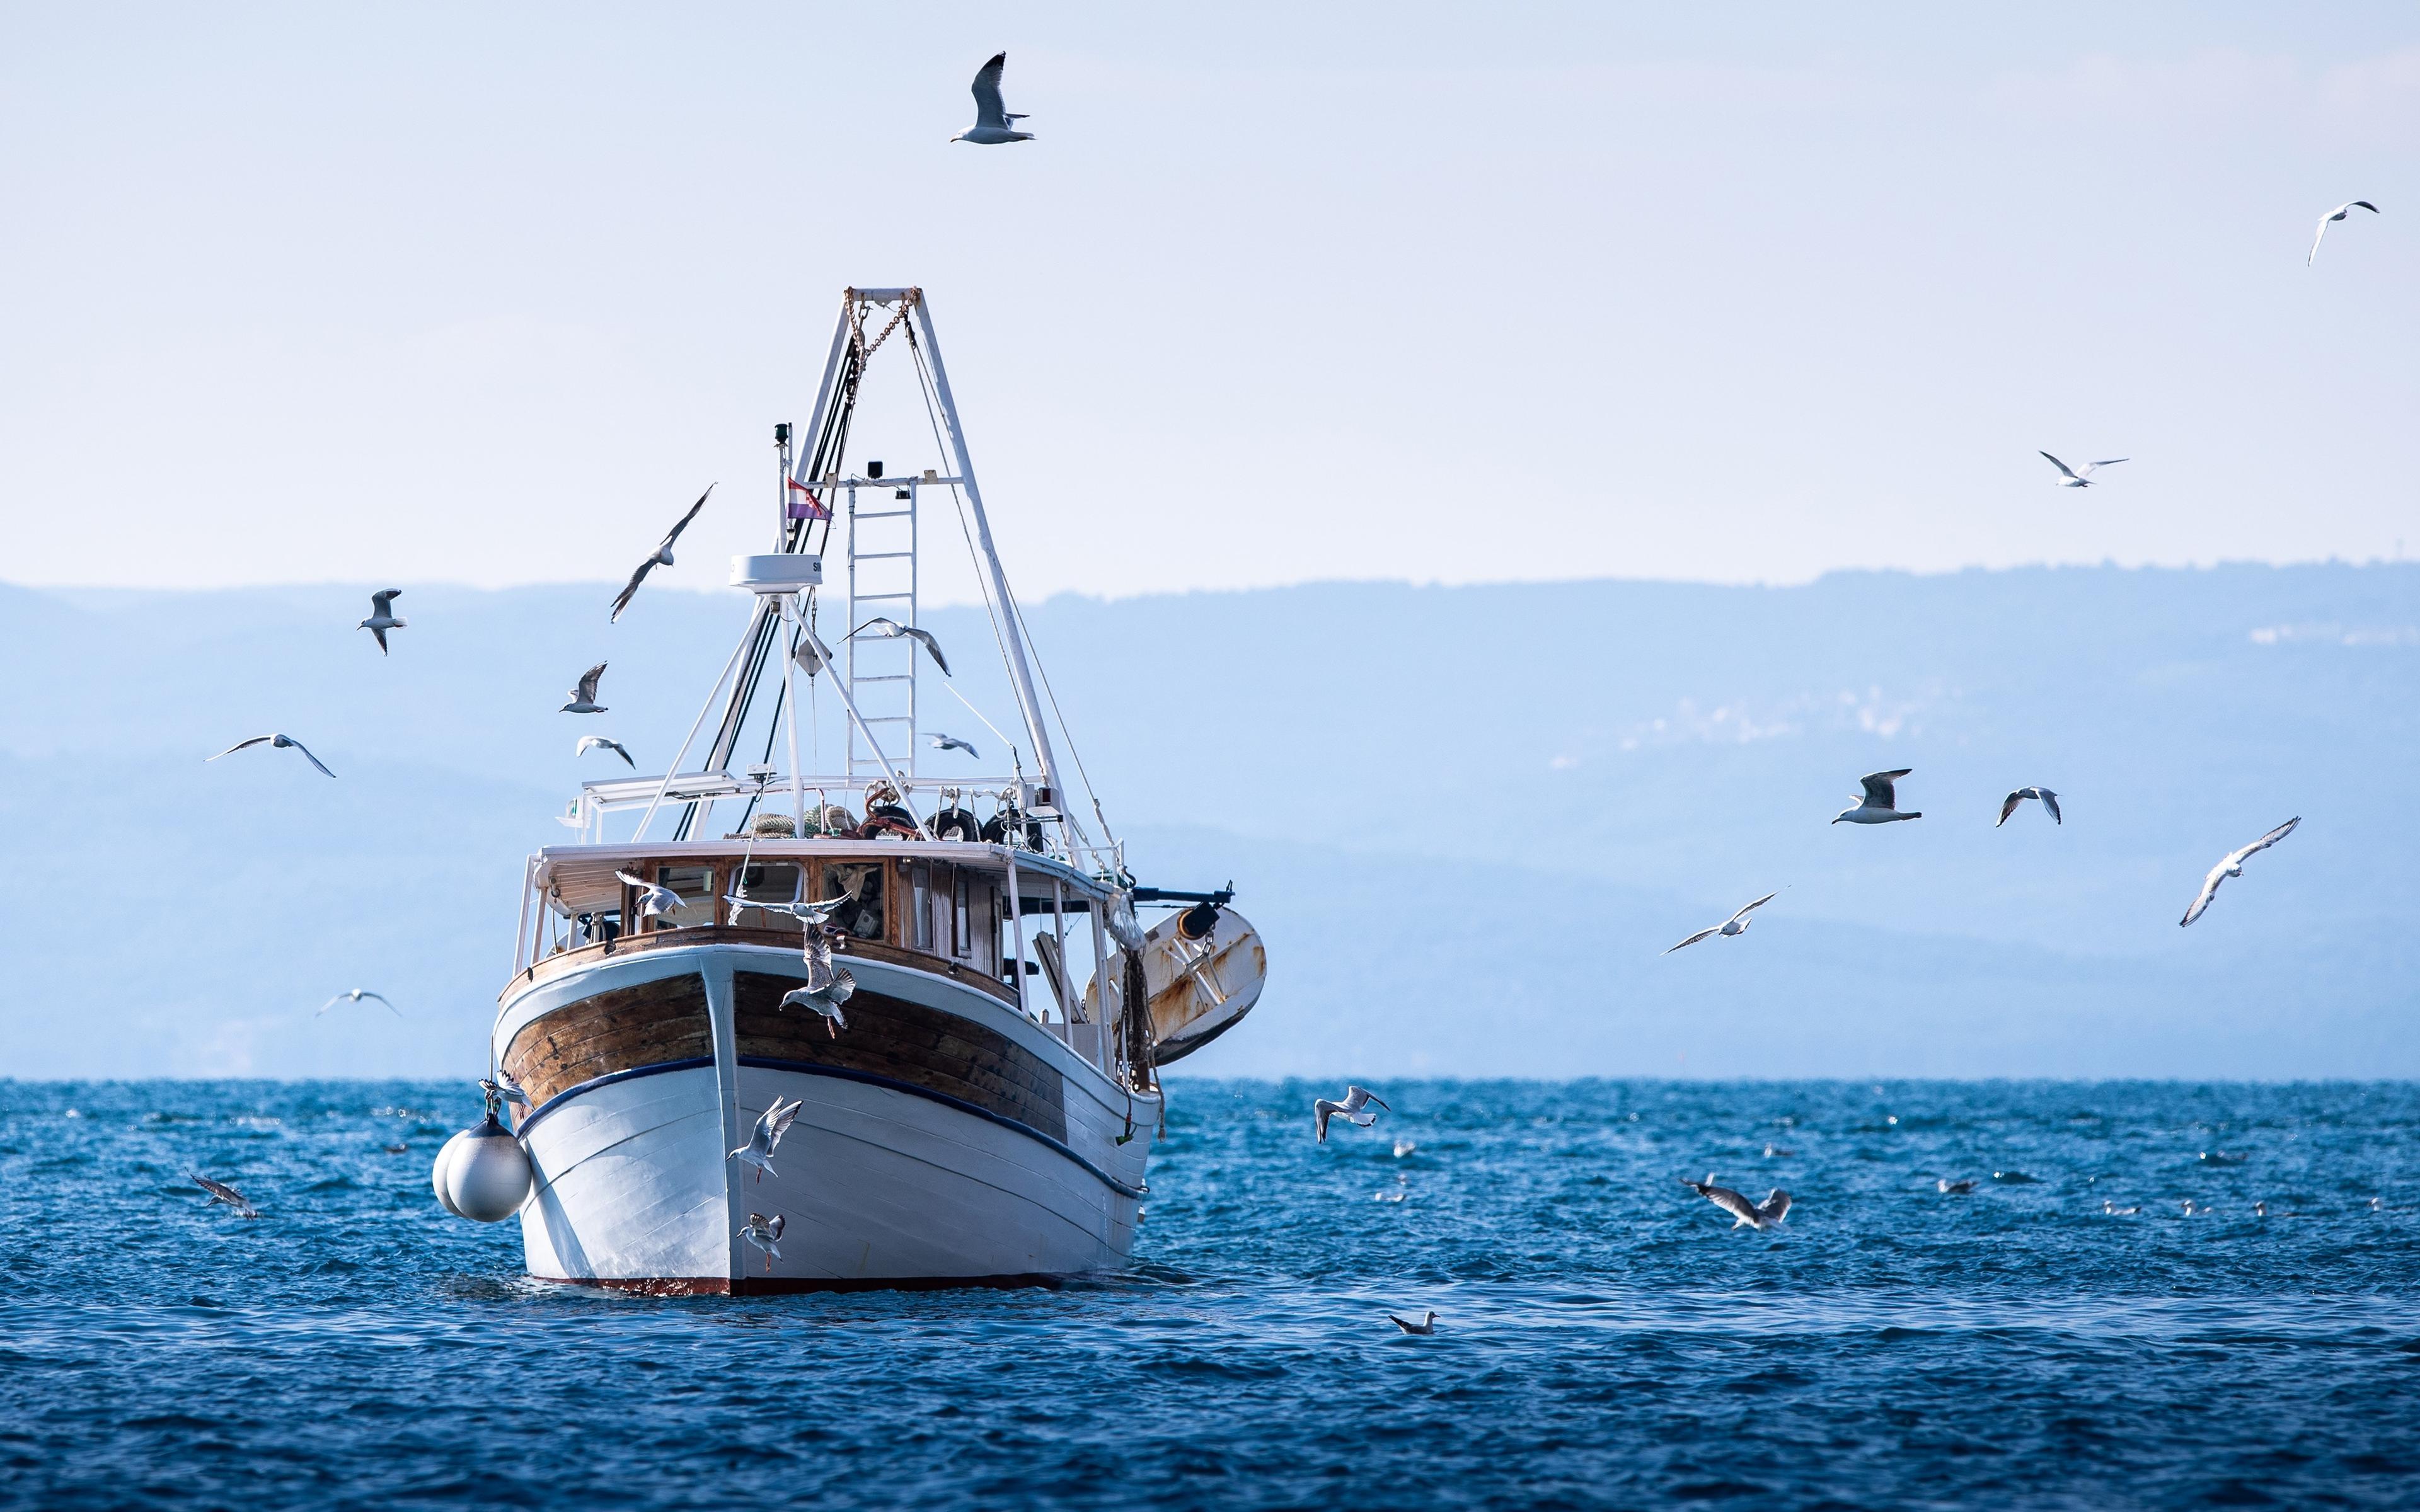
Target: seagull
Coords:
[(766, 1234), (589, 743), (2337, 214), (1752, 1214), (2083, 478), (891, 629), (663, 558), (1954, 1189), (1777, 1152), (992, 117), (221, 1192), (1356, 1108), (1877, 805), (1405, 1146), (277, 743), (354, 997), (759, 1150), (1426, 1325), (584, 694), (942, 742), (1736, 924), (506, 1088), (825, 998), (654, 901), (2116, 1212), (2261, 1209), (2049, 801), (382, 618), (2233, 867)]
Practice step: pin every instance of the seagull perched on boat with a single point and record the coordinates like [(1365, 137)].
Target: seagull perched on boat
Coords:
[(589, 743), (220, 1192), (2337, 214), (2049, 801), (355, 995), (1736, 924), (1743, 1212), (2233, 867), (663, 558), (382, 618), (759, 1150), (505, 1088), (941, 742), (1880, 804), (654, 901), (1426, 1325), (1356, 1108), (277, 743), (2082, 477), (766, 1234), (891, 629), (584, 693), (991, 128)]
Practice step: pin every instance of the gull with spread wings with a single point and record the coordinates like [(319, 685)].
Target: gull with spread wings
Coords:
[(662, 557), (2082, 477), (2233, 867), (992, 114), (1736, 924), (277, 743)]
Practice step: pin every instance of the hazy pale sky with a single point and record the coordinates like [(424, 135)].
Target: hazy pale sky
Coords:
[(487, 294)]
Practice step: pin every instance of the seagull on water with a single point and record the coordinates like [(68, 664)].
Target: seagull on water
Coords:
[(2337, 214), (992, 113), (766, 1234), (2082, 477), (589, 743), (663, 558), (2116, 1212), (1954, 1189), (221, 1192), (891, 629), (1736, 924), (277, 743), (654, 901), (1879, 805), (382, 618), (2233, 867), (584, 693), (941, 742), (1356, 1108), (2049, 801), (759, 1150), (355, 995), (1426, 1325), (1752, 1214)]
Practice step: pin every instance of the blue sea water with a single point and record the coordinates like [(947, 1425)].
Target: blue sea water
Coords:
[(1605, 1339)]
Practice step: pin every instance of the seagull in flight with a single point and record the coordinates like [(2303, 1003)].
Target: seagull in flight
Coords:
[(277, 743), (1743, 1212), (1736, 924), (759, 1150), (2082, 477), (663, 558), (992, 114), (220, 1192), (1356, 1108), (654, 901), (941, 742), (891, 629), (589, 743), (1880, 804), (2233, 867), (766, 1234), (584, 694), (382, 618), (354, 997), (2337, 214), (2049, 801), (1426, 1325)]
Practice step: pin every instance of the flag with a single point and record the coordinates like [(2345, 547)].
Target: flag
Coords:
[(803, 503)]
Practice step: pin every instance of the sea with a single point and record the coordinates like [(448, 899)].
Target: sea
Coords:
[(2065, 1333)]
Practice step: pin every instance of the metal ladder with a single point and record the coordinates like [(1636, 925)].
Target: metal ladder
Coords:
[(882, 582)]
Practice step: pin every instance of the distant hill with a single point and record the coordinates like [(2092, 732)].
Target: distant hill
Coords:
[(1467, 819)]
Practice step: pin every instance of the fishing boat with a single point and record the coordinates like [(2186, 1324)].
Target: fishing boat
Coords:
[(937, 985)]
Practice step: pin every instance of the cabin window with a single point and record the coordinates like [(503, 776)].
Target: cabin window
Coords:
[(695, 886), (962, 934), (919, 892), (861, 917), (774, 881)]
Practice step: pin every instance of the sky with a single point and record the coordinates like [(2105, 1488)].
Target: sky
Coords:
[(486, 295)]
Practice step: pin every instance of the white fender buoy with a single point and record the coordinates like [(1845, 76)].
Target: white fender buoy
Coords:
[(490, 1176), (438, 1172)]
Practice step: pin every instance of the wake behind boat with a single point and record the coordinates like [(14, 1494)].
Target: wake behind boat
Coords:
[(960, 1004)]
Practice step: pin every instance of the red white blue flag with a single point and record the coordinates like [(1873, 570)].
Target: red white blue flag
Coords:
[(803, 503)]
